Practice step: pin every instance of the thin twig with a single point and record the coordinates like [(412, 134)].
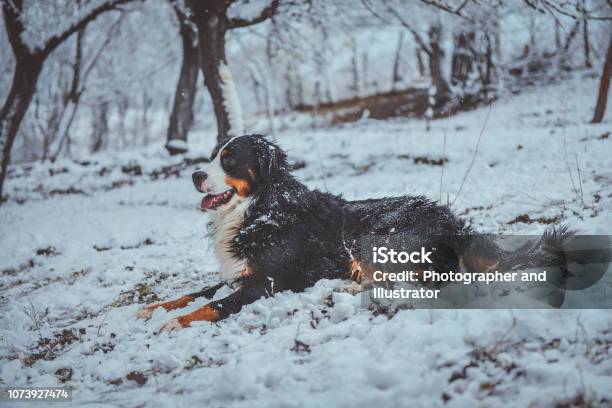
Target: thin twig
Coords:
[(444, 152), (102, 322), (567, 165), (501, 338), (446, 7), (579, 180), (33, 315), (484, 125), (552, 7)]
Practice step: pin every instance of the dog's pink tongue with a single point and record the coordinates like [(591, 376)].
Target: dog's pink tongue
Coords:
[(207, 202)]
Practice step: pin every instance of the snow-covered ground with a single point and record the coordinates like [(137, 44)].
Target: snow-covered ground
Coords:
[(76, 267)]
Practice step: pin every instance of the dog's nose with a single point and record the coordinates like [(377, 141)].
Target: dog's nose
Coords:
[(198, 177)]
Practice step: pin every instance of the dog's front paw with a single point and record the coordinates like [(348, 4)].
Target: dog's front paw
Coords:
[(146, 312), (169, 326)]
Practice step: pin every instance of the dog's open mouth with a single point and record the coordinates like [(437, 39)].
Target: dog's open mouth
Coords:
[(214, 201)]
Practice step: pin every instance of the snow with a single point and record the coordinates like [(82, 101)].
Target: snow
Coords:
[(321, 347), (247, 10), (231, 101), (178, 144)]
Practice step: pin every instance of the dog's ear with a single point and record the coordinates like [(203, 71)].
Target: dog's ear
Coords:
[(215, 152), (271, 159)]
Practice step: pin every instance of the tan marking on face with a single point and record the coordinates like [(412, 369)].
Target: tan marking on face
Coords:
[(207, 313), (242, 187), (224, 153)]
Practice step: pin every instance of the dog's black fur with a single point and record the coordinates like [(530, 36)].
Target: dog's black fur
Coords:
[(290, 237)]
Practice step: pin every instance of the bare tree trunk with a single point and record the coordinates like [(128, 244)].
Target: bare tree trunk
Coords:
[(587, 46), (123, 104), (70, 102), (355, 67), (295, 89), (436, 56), (266, 75), (604, 86), (398, 53), (290, 80), (28, 66), (322, 64), (27, 70), (100, 126), (365, 70), (489, 68), (181, 118), (581, 7), (419, 58), (212, 22), (65, 125), (463, 58), (147, 102), (257, 85)]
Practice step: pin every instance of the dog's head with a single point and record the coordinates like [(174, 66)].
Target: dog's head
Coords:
[(237, 170)]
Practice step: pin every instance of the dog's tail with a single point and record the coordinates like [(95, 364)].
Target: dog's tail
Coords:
[(572, 262)]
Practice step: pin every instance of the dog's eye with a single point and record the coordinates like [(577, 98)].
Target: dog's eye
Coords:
[(229, 162)]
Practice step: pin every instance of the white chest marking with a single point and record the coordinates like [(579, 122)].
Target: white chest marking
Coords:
[(225, 226)]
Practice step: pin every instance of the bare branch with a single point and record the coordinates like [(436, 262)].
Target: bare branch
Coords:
[(414, 33), (11, 9), (533, 5), (446, 7), (403, 22), (97, 54), (571, 36), (551, 7), (56, 40), (372, 11), (461, 6), (266, 13)]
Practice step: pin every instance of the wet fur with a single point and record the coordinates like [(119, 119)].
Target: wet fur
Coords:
[(287, 237)]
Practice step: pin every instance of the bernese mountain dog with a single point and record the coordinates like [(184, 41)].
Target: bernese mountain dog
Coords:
[(271, 233)]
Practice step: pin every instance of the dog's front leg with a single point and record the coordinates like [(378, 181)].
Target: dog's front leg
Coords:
[(207, 292), (220, 309)]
